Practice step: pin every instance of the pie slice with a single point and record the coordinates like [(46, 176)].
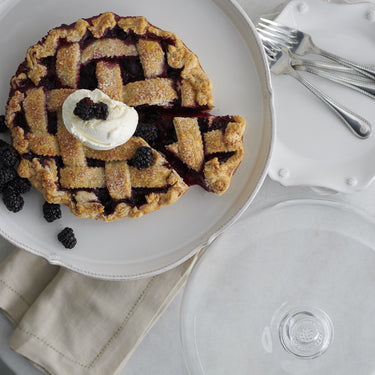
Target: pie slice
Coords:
[(150, 69)]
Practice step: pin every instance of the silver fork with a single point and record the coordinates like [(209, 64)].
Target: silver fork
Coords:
[(328, 70), (301, 43), (279, 60)]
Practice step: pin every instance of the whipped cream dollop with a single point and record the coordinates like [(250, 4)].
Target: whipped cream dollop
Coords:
[(95, 133)]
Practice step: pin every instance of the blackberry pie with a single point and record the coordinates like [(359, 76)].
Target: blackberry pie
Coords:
[(175, 142)]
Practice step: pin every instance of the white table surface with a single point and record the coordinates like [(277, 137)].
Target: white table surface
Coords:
[(160, 351)]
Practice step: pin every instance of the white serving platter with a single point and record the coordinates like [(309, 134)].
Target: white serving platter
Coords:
[(223, 37)]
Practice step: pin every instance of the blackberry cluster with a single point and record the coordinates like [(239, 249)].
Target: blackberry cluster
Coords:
[(9, 157), (101, 111), (3, 127), (11, 184), (7, 175), (86, 109), (142, 158), (67, 238), (83, 109), (21, 185), (51, 211), (148, 132), (12, 199)]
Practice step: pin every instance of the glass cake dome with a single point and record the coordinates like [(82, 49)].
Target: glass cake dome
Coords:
[(294, 294)]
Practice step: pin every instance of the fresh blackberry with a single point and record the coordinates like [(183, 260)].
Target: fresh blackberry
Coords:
[(8, 157), (13, 200), (8, 189), (51, 211), (3, 144), (67, 238), (19, 184), (100, 111), (148, 132), (142, 158), (6, 175), (3, 127), (84, 109)]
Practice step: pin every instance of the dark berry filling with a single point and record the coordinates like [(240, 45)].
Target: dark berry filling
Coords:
[(106, 200), (50, 81), (131, 70), (29, 156), (190, 176), (137, 199), (139, 195), (87, 76), (163, 123), (220, 122), (20, 120), (222, 157), (148, 132), (173, 73), (95, 163), (52, 122), (117, 32)]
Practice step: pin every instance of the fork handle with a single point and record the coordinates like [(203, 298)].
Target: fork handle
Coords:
[(366, 88), (331, 67), (362, 69), (357, 124)]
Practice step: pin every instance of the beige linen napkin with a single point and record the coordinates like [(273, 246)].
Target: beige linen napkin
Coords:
[(67, 323)]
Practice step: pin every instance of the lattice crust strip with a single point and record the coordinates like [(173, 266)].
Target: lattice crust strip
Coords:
[(67, 64), (109, 79), (108, 48), (152, 58), (35, 114)]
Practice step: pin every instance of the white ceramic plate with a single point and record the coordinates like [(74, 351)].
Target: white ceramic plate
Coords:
[(313, 147), (225, 41)]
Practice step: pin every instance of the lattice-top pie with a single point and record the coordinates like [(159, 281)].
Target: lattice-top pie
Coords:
[(132, 61)]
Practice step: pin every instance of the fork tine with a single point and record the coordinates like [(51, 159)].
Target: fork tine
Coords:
[(275, 30), (271, 49), (278, 25), (268, 50), (265, 34), (272, 46)]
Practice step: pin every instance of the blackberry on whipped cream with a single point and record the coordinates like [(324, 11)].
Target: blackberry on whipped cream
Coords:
[(99, 132)]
